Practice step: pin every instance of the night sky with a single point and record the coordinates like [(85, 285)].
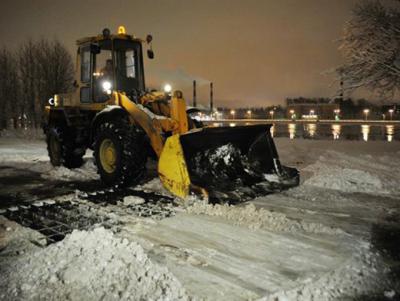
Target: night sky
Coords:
[(257, 53)]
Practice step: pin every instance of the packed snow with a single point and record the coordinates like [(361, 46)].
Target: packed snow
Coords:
[(254, 218), (362, 173)]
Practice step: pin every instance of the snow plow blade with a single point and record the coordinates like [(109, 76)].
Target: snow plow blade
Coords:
[(224, 163)]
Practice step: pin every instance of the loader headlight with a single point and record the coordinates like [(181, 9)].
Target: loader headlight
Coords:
[(167, 88), (107, 87)]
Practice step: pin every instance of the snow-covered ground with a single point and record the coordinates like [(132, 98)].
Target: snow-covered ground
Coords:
[(336, 236)]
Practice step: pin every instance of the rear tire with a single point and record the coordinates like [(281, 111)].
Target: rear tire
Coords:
[(120, 153), (62, 148)]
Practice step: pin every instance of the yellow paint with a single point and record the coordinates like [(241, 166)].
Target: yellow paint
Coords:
[(108, 155), (178, 113), (152, 128), (172, 168)]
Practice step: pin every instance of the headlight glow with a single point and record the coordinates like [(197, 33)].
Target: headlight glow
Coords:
[(167, 88), (107, 86)]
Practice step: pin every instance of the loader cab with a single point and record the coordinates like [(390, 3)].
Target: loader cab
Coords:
[(110, 64)]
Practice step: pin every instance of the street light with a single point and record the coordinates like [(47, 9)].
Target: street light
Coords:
[(249, 113), (337, 112), (391, 113), (233, 114), (291, 114), (366, 111), (312, 112), (272, 114)]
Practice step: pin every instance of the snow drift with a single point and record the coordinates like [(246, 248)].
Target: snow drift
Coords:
[(93, 265)]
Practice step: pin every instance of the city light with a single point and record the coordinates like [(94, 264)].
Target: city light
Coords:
[(312, 112), (249, 113), (337, 112), (271, 113), (391, 113), (366, 112), (292, 115), (233, 114)]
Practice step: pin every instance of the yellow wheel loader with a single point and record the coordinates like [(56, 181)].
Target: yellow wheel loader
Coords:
[(111, 112)]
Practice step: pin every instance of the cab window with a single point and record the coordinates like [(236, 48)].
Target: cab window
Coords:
[(130, 64), (85, 65)]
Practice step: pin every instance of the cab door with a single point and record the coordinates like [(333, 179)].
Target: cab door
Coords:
[(86, 74)]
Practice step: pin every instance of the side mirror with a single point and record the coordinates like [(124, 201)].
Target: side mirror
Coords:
[(150, 54), (94, 48)]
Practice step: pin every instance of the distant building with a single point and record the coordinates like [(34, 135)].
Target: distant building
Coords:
[(311, 108)]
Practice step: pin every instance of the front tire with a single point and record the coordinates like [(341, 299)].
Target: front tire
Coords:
[(62, 148), (120, 153)]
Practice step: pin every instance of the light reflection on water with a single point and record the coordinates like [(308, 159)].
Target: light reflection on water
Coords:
[(365, 130), (312, 130), (331, 131), (336, 128), (272, 130), (389, 132), (292, 130)]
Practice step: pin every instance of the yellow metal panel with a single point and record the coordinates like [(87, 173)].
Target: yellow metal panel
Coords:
[(178, 112), (172, 168), (138, 116)]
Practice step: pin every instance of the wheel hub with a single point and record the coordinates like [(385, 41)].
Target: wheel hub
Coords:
[(108, 155)]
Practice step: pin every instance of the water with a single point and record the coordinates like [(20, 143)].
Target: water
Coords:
[(333, 131), (362, 132)]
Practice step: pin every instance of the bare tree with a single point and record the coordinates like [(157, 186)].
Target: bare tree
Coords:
[(45, 69), (371, 49), (27, 67), (55, 70), (9, 105)]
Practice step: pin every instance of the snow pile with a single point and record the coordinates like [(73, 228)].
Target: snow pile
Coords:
[(254, 218), (344, 179), (362, 275), (369, 174), (87, 172), (93, 265)]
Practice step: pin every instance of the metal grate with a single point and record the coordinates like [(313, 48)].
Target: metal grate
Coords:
[(56, 220)]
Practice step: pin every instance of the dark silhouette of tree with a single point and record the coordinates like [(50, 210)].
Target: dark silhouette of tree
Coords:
[(10, 104), (370, 47), (43, 68)]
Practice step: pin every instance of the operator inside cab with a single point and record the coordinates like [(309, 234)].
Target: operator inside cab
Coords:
[(104, 80), (107, 71)]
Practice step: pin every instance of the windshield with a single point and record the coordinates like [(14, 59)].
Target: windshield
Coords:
[(127, 72)]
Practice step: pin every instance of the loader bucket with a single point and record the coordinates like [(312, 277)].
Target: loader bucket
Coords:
[(231, 163)]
